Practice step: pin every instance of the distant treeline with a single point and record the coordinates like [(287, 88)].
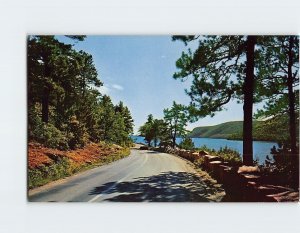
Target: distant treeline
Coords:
[(65, 108), (270, 130)]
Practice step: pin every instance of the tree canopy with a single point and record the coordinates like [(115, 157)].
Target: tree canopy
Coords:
[(222, 68), (65, 107), (176, 118), (153, 130), (250, 69)]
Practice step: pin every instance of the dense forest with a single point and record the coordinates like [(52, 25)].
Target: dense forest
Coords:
[(65, 108)]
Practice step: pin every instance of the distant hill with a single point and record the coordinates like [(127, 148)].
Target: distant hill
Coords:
[(224, 130)]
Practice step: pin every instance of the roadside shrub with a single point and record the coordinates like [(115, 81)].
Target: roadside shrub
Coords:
[(199, 162), (77, 134), (229, 155), (46, 133), (44, 174), (187, 144), (282, 168), (205, 148), (53, 137)]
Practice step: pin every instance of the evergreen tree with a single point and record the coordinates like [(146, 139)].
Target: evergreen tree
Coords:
[(187, 144), (126, 115), (153, 130), (222, 68), (107, 119), (65, 109), (146, 130), (278, 81), (176, 118)]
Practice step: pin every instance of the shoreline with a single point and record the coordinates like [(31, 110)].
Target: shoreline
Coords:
[(229, 139)]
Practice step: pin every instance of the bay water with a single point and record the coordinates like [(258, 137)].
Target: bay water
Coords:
[(261, 149)]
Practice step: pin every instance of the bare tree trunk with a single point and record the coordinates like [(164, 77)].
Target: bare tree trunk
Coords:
[(292, 117), (175, 134), (291, 96), (248, 102)]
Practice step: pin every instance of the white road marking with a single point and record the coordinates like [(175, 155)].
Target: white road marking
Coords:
[(119, 181)]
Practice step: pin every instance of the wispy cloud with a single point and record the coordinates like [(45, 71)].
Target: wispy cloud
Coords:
[(104, 90), (117, 87), (163, 56)]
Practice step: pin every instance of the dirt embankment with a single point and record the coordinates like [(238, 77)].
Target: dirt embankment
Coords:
[(46, 164), (39, 155)]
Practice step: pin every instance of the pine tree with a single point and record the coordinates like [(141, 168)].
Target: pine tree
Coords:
[(222, 68), (176, 118)]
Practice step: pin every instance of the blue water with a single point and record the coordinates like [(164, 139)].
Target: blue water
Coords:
[(260, 148)]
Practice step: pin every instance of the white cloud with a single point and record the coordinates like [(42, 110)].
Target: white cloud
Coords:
[(117, 87), (163, 56), (107, 88), (104, 90)]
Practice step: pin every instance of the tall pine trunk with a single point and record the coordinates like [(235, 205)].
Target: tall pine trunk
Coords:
[(291, 96), (292, 117), (173, 141), (248, 102), (174, 135)]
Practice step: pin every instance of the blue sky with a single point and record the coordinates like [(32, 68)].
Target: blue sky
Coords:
[(138, 70)]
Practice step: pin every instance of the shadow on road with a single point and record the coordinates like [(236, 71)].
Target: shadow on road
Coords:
[(153, 152), (165, 187)]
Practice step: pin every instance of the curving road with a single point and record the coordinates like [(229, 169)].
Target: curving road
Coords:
[(142, 176)]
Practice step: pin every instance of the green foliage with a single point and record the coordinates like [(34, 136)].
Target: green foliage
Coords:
[(147, 131), (63, 83), (275, 129), (45, 174), (46, 133), (154, 130), (176, 118), (115, 123), (220, 71), (187, 144), (275, 57), (222, 68), (217, 68), (281, 168), (227, 154), (223, 130), (78, 136), (278, 82)]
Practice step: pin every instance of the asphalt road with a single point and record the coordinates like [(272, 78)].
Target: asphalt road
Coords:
[(143, 176)]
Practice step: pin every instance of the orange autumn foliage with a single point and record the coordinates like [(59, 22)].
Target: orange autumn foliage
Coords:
[(39, 155)]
